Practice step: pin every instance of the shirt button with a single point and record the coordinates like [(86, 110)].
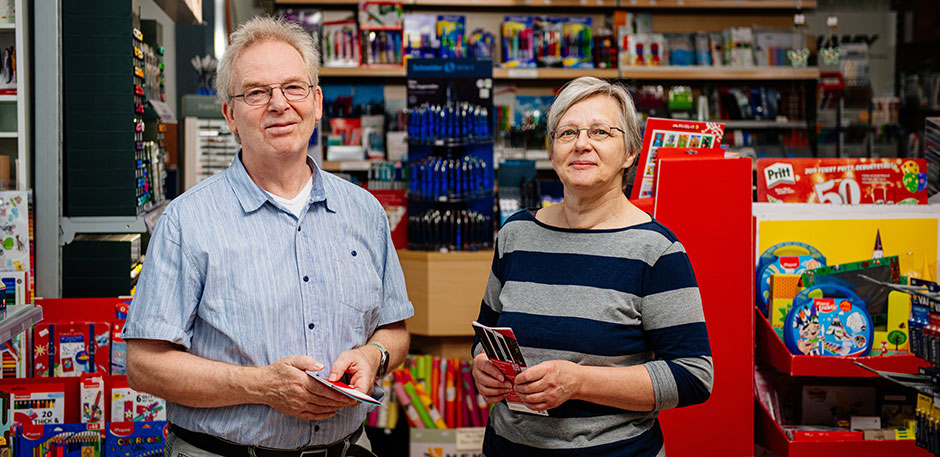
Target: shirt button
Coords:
[(298, 229), (354, 253), (316, 428), (306, 279), (311, 325)]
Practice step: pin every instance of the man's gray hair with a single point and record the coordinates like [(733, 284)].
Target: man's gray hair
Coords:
[(258, 29), (587, 86)]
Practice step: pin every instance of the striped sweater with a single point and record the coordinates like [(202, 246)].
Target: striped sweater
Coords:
[(614, 297)]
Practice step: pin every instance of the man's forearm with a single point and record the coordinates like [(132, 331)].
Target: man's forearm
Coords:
[(160, 368)]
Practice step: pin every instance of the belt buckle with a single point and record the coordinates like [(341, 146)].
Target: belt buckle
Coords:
[(318, 452)]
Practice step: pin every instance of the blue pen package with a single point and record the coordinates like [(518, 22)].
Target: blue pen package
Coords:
[(421, 35), (517, 39), (578, 49), (451, 32)]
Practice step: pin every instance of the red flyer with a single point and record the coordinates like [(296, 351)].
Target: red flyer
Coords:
[(842, 181), (669, 133)]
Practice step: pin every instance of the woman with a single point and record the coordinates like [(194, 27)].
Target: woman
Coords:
[(601, 297)]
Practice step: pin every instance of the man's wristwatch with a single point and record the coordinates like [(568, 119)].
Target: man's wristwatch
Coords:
[(383, 363)]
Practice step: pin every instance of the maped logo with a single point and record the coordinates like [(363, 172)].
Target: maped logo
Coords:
[(439, 452), (779, 173), (122, 428)]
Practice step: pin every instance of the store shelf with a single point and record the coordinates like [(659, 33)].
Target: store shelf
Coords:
[(552, 73), (770, 435), (8, 135), (8, 98), (698, 73), (772, 351), (717, 4), (10, 26), (71, 226), (346, 165), (764, 124), (703, 73), (361, 72), (657, 4), (17, 318)]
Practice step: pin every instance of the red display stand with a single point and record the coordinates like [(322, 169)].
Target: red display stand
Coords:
[(74, 309), (707, 204)]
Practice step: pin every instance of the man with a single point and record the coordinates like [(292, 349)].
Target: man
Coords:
[(263, 271)]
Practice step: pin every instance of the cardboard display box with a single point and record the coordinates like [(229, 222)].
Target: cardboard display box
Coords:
[(446, 290), (461, 442)]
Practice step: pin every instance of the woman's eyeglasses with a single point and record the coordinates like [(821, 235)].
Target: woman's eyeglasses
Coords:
[(596, 132)]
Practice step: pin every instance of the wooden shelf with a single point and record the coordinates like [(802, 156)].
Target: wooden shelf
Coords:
[(363, 72), (552, 73), (717, 4), (346, 165), (636, 73), (646, 4), (720, 73)]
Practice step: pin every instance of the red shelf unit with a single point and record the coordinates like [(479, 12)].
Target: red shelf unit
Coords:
[(720, 244), (769, 434), (74, 309), (772, 351)]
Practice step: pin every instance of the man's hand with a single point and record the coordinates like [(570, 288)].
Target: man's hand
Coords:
[(548, 384), (490, 382), (361, 363), (290, 390)]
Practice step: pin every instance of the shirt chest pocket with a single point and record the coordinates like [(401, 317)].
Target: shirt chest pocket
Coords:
[(359, 285)]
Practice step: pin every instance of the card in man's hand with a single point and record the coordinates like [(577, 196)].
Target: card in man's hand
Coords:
[(345, 389)]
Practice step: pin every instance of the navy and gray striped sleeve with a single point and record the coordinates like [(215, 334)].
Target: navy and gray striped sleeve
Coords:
[(674, 325)]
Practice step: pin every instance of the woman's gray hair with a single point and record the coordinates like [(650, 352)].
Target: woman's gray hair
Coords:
[(586, 86), (258, 29)]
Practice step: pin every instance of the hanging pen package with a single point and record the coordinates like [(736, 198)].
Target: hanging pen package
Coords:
[(381, 25), (451, 32), (578, 50), (340, 44), (518, 42)]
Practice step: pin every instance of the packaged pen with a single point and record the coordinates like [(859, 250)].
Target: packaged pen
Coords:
[(517, 40), (381, 25), (605, 49), (451, 32), (421, 35), (548, 35), (578, 49), (340, 44)]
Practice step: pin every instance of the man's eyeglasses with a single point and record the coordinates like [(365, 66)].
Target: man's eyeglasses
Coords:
[(596, 132), (261, 95)]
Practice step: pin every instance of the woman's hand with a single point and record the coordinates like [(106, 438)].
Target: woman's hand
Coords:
[(490, 382), (548, 384)]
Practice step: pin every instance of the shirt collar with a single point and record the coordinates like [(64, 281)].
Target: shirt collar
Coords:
[(251, 196)]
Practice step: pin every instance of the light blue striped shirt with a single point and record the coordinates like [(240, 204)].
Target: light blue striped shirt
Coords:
[(232, 276)]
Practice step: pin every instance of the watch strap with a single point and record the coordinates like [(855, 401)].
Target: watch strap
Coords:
[(383, 362)]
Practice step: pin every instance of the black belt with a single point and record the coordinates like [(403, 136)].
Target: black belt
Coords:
[(219, 446)]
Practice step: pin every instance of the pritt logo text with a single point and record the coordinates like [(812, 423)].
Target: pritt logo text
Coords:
[(779, 173)]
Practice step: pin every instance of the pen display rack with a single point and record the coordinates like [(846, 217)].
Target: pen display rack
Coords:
[(450, 154)]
